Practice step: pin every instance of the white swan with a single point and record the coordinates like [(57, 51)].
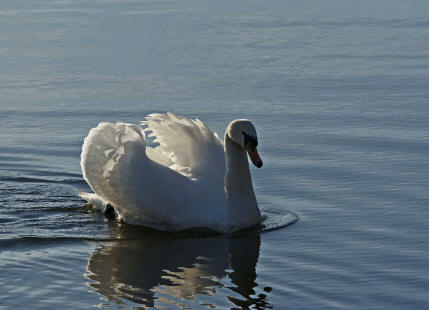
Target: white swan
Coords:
[(190, 180)]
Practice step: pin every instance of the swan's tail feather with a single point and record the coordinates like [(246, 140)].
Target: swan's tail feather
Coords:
[(93, 199)]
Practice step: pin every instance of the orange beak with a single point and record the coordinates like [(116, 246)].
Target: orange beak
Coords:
[(254, 156)]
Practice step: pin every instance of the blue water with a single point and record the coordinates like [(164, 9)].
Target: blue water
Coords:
[(338, 91)]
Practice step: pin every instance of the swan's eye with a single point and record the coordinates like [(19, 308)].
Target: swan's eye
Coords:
[(250, 141)]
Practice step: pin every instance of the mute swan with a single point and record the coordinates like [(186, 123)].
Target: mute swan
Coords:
[(191, 180)]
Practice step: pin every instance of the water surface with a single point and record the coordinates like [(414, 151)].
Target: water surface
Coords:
[(337, 91)]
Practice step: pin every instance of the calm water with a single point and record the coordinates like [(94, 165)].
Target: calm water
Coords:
[(338, 92)]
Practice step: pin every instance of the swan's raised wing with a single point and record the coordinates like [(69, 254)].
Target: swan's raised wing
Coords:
[(143, 190), (103, 149), (192, 148)]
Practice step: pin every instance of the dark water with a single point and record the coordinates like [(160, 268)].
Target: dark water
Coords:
[(338, 92)]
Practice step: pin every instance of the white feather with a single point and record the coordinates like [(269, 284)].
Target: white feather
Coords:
[(93, 199), (191, 148)]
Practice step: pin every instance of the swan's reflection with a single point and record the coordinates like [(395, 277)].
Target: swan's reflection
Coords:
[(158, 268)]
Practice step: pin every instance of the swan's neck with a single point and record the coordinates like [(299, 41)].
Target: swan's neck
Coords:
[(242, 208)]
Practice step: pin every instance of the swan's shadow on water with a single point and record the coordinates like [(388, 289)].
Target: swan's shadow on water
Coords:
[(150, 268)]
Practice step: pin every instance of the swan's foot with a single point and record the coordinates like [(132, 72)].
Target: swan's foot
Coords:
[(109, 211)]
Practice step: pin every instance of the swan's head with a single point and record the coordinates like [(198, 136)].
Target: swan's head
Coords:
[(242, 132)]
